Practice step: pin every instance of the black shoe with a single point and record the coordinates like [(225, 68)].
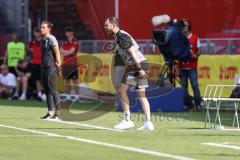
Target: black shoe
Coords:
[(15, 97), (55, 117), (198, 108), (39, 99), (47, 116), (188, 108)]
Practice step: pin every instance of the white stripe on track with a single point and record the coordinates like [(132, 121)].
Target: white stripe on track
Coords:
[(22, 135), (126, 148), (222, 145)]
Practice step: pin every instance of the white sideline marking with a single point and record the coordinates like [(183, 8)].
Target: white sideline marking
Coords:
[(133, 149), (85, 125), (203, 130), (22, 135), (223, 145), (230, 129)]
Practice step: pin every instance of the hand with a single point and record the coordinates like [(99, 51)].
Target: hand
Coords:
[(58, 65), (194, 55), (154, 49), (143, 74), (59, 71)]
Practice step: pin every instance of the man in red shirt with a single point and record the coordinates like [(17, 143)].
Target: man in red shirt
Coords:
[(69, 50), (35, 48), (188, 70)]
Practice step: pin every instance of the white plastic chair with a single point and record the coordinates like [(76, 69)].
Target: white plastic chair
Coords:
[(213, 93)]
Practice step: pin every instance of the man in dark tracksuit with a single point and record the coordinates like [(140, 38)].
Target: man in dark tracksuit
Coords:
[(50, 67)]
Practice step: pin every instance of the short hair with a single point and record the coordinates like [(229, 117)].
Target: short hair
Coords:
[(189, 24), (113, 20), (49, 24), (3, 66), (69, 29)]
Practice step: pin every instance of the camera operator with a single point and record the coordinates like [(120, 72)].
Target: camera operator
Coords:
[(188, 69), (172, 42)]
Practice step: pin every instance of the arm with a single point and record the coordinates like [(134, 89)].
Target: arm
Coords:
[(142, 73), (58, 60), (66, 52), (133, 51), (19, 73), (57, 54), (193, 55), (196, 54), (124, 41), (28, 74)]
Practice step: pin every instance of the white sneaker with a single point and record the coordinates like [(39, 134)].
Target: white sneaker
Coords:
[(23, 97), (124, 124), (43, 97), (147, 125), (68, 97), (75, 98)]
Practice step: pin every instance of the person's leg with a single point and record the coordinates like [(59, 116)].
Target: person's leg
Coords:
[(184, 76), (17, 87), (193, 76), (24, 87), (118, 75), (39, 88), (36, 69), (184, 80), (49, 98), (68, 86), (52, 83), (122, 91), (76, 89), (74, 78), (68, 89), (140, 90), (67, 71), (4, 92), (126, 121), (144, 103)]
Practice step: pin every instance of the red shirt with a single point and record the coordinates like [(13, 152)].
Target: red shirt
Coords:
[(67, 45), (195, 45), (34, 45)]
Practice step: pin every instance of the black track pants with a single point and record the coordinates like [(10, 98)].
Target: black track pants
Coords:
[(48, 79)]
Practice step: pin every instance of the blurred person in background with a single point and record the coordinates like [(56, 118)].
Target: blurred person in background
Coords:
[(188, 70), (23, 71), (15, 52), (69, 50), (7, 82), (35, 49)]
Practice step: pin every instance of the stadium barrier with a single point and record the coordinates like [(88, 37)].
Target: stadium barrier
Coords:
[(211, 46), (217, 69)]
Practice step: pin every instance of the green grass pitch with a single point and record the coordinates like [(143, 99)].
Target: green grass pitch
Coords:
[(176, 134)]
